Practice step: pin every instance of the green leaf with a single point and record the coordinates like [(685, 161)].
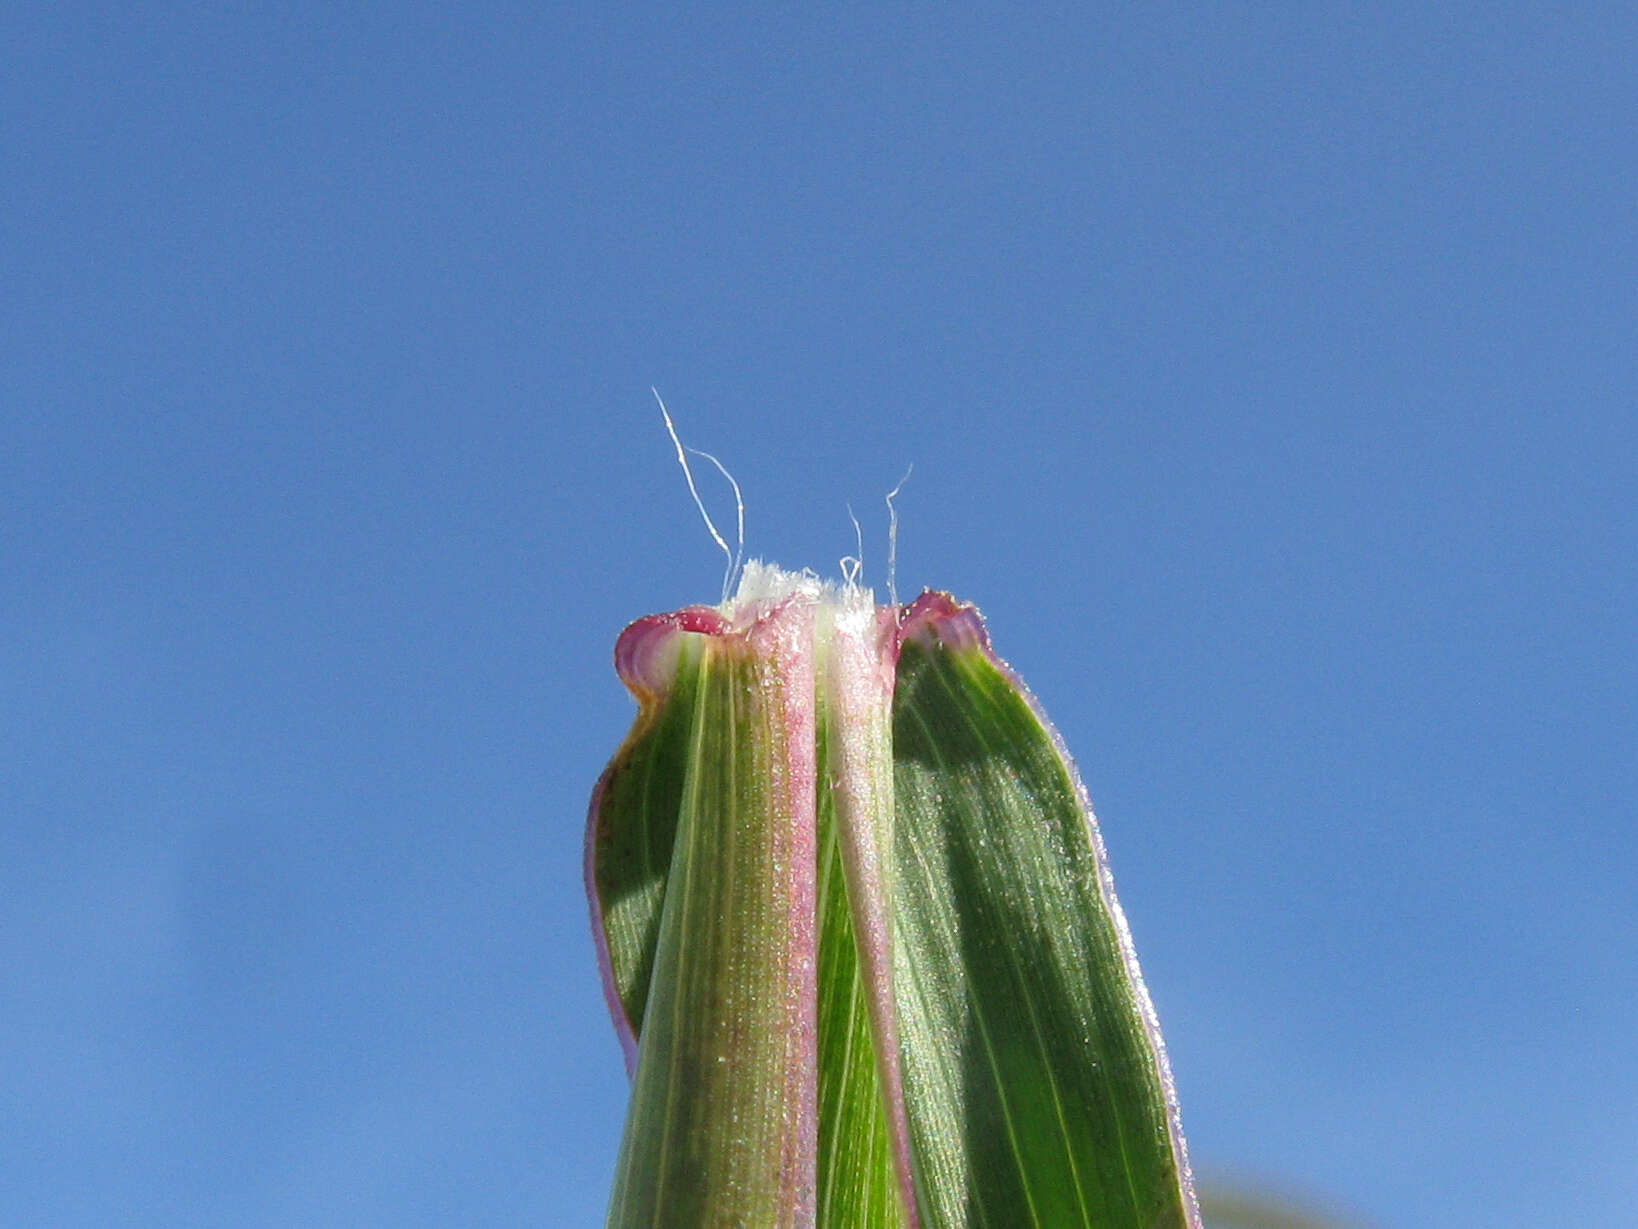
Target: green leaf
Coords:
[(632, 825), (1035, 1079), (864, 1164), (722, 1123), (859, 936)]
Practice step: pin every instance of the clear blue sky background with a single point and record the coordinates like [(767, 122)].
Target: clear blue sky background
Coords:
[(1269, 374)]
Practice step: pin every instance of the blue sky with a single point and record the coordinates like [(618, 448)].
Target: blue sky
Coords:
[(1269, 378)]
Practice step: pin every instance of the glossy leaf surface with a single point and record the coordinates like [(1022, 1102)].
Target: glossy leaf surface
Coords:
[(976, 1047), (721, 1126), (1035, 1079)]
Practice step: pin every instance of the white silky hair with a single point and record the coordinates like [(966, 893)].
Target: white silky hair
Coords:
[(758, 580), (734, 557)]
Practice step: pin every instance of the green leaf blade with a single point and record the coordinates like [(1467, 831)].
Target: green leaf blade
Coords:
[(848, 894), (631, 827), (721, 1127), (857, 1183), (1035, 1079), (864, 1164)]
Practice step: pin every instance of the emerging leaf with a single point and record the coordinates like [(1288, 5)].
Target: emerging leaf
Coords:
[(711, 942), (859, 936), (1036, 1079)]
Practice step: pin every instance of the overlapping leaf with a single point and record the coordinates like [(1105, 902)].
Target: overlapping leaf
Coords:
[(980, 1049), (1035, 1078)]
